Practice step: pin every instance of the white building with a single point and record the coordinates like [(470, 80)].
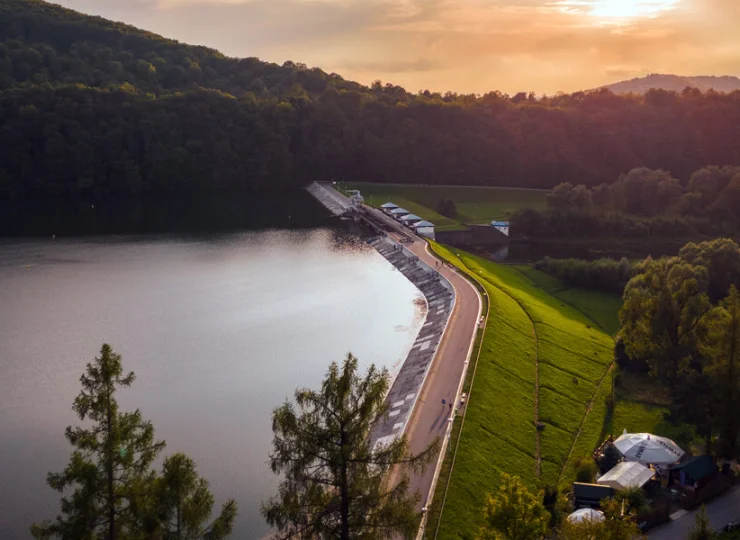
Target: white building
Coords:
[(424, 228), (398, 213), (502, 226), (410, 219)]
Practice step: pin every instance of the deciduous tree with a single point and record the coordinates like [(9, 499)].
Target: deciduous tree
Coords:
[(665, 305), (514, 513), (722, 351)]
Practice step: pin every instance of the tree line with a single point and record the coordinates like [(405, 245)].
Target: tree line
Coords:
[(642, 203), (602, 274), (681, 324), (95, 107)]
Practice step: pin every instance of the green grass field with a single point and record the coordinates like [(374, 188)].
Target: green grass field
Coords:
[(474, 204), (528, 329)]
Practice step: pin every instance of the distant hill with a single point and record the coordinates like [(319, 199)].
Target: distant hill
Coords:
[(675, 83), (93, 108)]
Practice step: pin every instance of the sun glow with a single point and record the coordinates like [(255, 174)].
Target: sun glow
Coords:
[(619, 10)]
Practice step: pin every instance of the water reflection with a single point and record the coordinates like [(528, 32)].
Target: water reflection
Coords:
[(220, 329)]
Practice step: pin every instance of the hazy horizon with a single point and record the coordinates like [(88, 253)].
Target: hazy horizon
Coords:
[(464, 46)]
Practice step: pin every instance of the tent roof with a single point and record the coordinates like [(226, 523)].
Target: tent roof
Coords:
[(648, 448), (500, 223), (586, 514), (410, 217), (625, 475), (389, 205), (424, 223), (399, 210)]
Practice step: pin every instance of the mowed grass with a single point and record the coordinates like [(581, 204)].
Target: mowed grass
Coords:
[(473, 204), (601, 307), (526, 325), (498, 434)]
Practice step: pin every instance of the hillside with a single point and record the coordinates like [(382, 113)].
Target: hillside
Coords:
[(675, 83), (93, 108)]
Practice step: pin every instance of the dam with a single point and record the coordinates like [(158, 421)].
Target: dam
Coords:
[(438, 293)]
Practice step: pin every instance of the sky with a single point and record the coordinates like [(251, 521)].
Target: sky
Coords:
[(464, 46)]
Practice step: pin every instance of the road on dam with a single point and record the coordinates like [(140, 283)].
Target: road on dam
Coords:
[(430, 416)]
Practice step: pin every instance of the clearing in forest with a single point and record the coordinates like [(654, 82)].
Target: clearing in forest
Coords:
[(541, 360)]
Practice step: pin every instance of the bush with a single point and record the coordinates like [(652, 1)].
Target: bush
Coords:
[(447, 208), (586, 470), (635, 498), (603, 274)]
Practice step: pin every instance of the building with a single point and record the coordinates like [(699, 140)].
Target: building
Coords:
[(424, 228), (387, 207), (356, 198), (410, 219), (590, 495), (398, 213), (502, 226)]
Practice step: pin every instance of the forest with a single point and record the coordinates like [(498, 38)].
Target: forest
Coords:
[(640, 205), (92, 108)]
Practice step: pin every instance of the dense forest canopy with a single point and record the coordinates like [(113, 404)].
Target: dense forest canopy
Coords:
[(92, 107), (643, 203)]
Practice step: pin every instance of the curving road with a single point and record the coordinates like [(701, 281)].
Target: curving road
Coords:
[(430, 417)]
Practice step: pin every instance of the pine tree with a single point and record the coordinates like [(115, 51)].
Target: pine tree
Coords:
[(702, 530), (110, 467), (334, 481), (185, 503)]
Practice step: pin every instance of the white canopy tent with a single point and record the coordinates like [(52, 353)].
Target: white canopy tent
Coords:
[(584, 514), (647, 448), (625, 475)]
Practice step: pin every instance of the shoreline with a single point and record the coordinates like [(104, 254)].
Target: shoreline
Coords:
[(440, 298)]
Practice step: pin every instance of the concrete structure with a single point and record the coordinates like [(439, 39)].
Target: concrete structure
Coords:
[(356, 199), (440, 299), (502, 226), (424, 228), (334, 201), (440, 381)]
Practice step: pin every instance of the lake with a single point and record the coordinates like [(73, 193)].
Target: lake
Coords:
[(219, 328)]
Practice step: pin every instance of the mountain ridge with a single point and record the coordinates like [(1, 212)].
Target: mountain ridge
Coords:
[(675, 83)]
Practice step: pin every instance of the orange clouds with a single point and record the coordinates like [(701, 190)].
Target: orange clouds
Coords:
[(460, 45)]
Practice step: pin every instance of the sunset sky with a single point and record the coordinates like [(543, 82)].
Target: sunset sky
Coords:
[(459, 45)]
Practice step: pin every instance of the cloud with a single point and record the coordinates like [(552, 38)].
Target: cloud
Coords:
[(413, 66), (460, 45)]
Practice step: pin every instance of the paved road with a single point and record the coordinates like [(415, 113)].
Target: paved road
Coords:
[(430, 417), (721, 511)]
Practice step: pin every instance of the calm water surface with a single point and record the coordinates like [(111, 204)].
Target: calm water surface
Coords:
[(219, 330)]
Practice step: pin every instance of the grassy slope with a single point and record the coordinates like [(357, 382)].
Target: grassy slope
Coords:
[(498, 434), (640, 405), (474, 204), (602, 308)]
